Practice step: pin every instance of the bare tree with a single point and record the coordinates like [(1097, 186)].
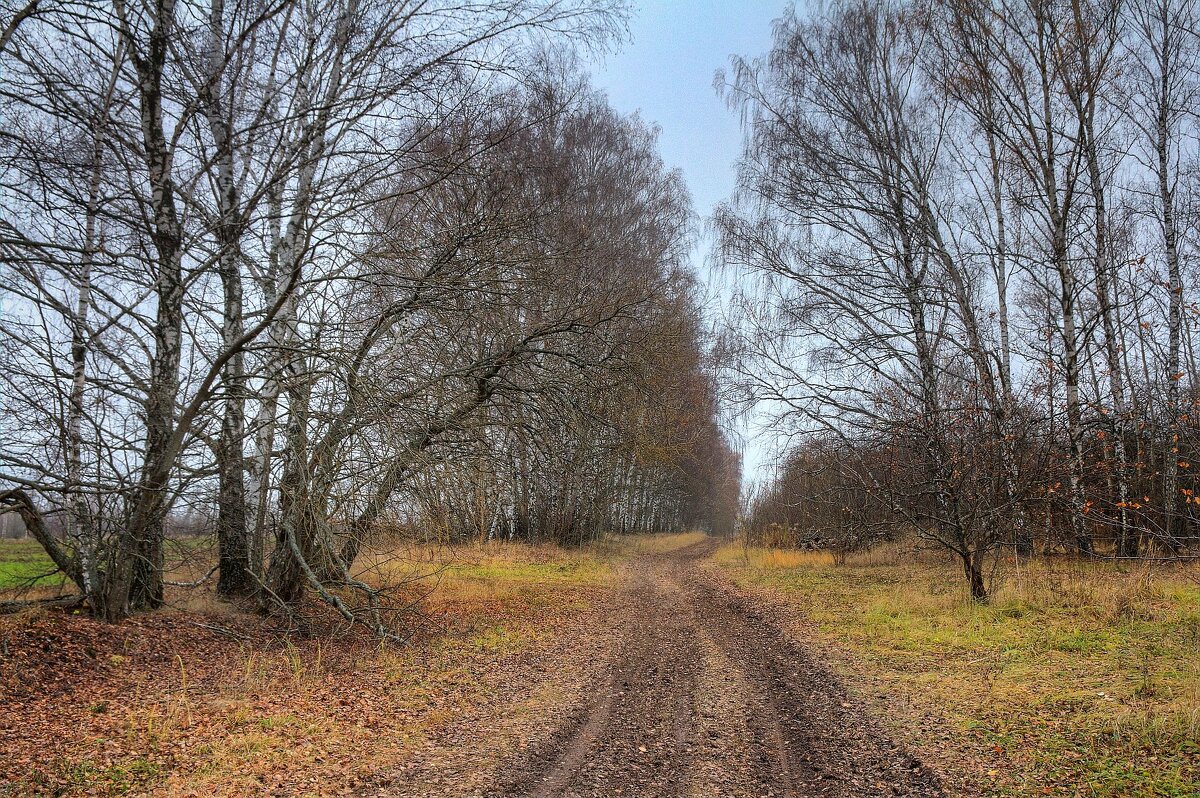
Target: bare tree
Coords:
[(945, 206), (1161, 104), (318, 231)]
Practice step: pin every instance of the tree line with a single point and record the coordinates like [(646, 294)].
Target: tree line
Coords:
[(321, 271), (969, 235)]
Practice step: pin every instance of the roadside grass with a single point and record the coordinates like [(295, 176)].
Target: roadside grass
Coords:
[(326, 722), (480, 574), (500, 570), (1079, 678), (649, 544), (205, 700), (492, 570)]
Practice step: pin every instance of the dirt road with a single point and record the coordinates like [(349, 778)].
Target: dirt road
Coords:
[(704, 697)]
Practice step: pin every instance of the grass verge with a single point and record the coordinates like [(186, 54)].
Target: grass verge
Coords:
[(1078, 679), (184, 702)]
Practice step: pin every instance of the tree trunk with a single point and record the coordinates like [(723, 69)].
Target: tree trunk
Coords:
[(138, 582), (1084, 96), (296, 532), (1023, 534), (974, 573), (1166, 196), (238, 571)]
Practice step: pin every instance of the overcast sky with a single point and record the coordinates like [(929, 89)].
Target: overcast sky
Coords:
[(666, 72)]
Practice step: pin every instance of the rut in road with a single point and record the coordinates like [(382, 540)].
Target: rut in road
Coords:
[(703, 697)]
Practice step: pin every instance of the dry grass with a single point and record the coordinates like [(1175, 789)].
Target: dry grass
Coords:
[(205, 701), (621, 546), (482, 574), (1079, 678), (774, 559), (298, 725)]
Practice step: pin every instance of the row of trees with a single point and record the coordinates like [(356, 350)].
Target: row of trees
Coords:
[(326, 266), (972, 234)]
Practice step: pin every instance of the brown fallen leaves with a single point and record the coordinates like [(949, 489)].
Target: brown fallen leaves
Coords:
[(192, 704)]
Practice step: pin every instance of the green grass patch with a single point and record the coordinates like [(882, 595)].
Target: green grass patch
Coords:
[(24, 563), (579, 571), (89, 777)]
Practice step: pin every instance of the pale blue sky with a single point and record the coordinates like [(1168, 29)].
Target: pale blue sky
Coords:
[(666, 72)]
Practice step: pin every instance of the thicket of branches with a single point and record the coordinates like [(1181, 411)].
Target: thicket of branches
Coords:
[(971, 230), (320, 269)]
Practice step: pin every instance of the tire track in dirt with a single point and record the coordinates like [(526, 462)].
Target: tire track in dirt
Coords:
[(704, 696), (634, 738), (820, 742), (731, 760)]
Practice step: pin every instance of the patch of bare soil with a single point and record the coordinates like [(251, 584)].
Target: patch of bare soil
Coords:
[(691, 692), (814, 740), (636, 734)]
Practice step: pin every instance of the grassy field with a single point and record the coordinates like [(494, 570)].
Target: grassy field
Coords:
[(496, 569), (1077, 679), (23, 563)]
